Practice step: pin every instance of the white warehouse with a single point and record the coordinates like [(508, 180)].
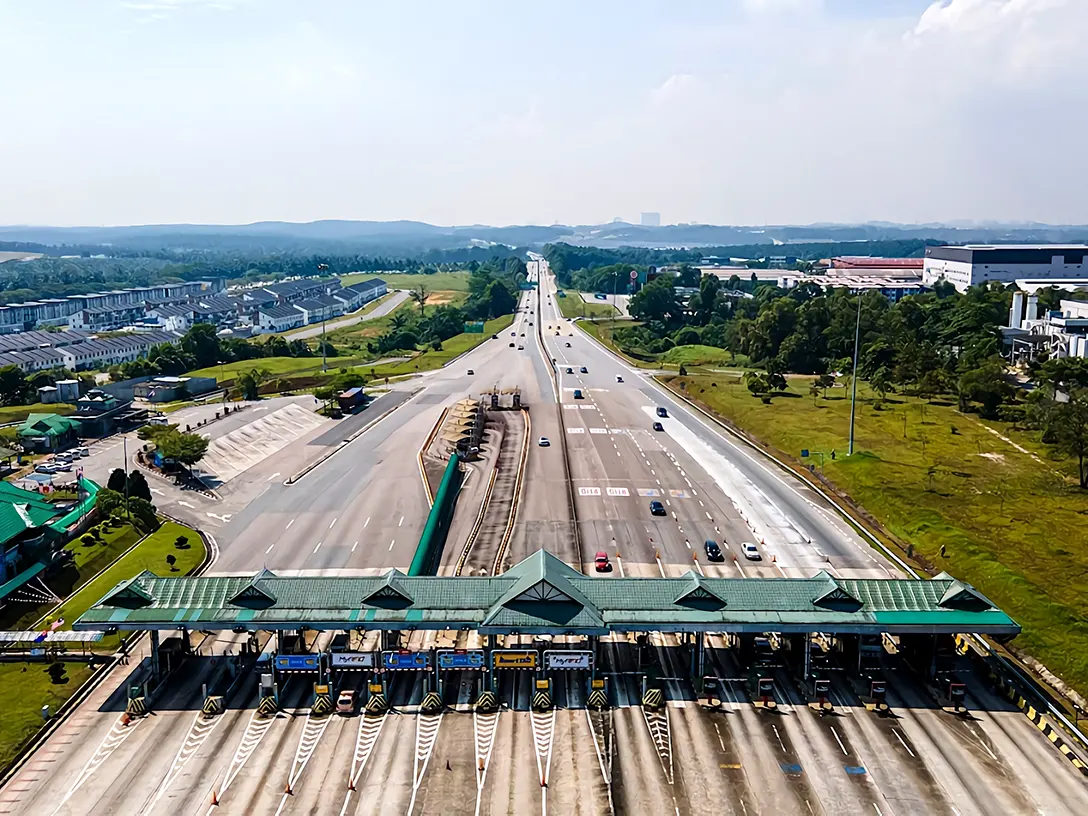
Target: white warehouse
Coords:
[(971, 264)]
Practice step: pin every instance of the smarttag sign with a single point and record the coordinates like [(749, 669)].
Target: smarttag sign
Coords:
[(305, 662), (354, 660), (556, 660), (513, 659), (406, 661), (461, 659)]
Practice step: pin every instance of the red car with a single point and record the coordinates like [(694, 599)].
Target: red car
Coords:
[(601, 563)]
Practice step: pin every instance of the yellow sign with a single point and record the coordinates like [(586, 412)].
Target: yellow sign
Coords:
[(513, 659), (375, 688), (542, 685), (320, 688), (598, 683)]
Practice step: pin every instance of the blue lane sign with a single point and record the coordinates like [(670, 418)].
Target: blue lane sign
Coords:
[(402, 660), (461, 659), (304, 662), (804, 453)]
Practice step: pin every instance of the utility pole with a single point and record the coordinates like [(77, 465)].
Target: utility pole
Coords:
[(854, 377), (124, 452), (324, 356)]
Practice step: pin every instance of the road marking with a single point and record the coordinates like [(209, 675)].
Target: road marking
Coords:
[(156, 490), (353, 546), (318, 547), (658, 726), (312, 732), (839, 741), (391, 543), (902, 742), (273, 476), (184, 504), (365, 523), (198, 733), (118, 733), (370, 728), (427, 726), (254, 733), (483, 729), (399, 523), (781, 744), (333, 522), (288, 527), (270, 546), (543, 726)]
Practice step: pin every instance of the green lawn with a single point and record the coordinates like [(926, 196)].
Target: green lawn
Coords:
[(451, 348), (370, 307), (275, 366), (1013, 525), (17, 413), (573, 306), (447, 281), (25, 688)]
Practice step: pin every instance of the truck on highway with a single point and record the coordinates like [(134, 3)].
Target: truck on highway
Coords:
[(351, 399)]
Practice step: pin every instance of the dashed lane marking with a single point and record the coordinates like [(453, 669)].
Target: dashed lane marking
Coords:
[(199, 732), (255, 731), (543, 724), (657, 723), (483, 729), (110, 743), (370, 728), (427, 726), (312, 731)]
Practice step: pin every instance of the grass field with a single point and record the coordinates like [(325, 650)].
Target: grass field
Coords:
[(25, 688), (17, 413), (447, 281), (1012, 520), (573, 306), (367, 309), (451, 348), (275, 366)]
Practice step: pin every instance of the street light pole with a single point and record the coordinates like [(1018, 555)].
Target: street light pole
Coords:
[(854, 377), (324, 348)]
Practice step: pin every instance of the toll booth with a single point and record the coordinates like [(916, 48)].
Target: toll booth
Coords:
[(170, 653), (761, 689)]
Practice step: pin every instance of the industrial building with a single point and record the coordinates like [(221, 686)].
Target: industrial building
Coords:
[(1061, 332), (971, 264)]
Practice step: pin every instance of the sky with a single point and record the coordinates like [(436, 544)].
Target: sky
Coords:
[(566, 111)]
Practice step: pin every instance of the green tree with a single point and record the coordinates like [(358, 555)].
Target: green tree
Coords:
[(1070, 431), (251, 381), (756, 382), (202, 343), (824, 382), (419, 295), (14, 389), (117, 480), (138, 486), (987, 386), (881, 381), (186, 448), (687, 336), (500, 300), (109, 502), (656, 301)]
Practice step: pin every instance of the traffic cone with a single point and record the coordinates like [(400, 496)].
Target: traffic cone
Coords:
[(287, 789), (215, 799), (774, 558), (351, 784)]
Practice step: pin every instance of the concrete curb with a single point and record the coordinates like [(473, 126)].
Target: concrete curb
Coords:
[(325, 457)]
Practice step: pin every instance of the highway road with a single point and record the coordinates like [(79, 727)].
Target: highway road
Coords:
[(363, 510)]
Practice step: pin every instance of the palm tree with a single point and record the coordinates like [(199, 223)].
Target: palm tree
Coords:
[(419, 295), (398, 321)]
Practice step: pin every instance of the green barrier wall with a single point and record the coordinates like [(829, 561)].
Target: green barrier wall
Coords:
[(62, 524), (429, 549)]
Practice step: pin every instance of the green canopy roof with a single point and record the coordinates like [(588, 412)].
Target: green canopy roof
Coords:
[(22, 510), (48, 425), (542, 594)]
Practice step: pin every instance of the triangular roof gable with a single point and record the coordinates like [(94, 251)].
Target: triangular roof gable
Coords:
[(254, 594), (543, 582), (130, 594), (697, 594), (963, 596), (390, 593), (833, 595)]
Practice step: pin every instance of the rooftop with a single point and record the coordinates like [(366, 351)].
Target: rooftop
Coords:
[(543, 594)]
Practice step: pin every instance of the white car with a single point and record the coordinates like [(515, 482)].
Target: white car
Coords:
[(544, 442), (751, 552), (45, 467), (62, 466), (83, 451)]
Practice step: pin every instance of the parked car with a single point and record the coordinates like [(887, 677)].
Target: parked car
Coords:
[(751, 552), (601, 562), (544, 442), (62, 466), (345, 703), (657, 508), (45, 467), (577, 393), (713, 551), (83, 451)]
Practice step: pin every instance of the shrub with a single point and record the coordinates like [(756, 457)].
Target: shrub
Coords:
[(182, 542), (88, 540)]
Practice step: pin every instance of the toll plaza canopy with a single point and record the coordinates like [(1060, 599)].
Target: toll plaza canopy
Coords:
[(543, 595)]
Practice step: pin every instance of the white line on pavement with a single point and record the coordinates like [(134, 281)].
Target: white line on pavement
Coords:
[(288, 527), (353, 546), (365, 523), (391, 543), (399, 523), (333, 522), (270, 546), (318, 547)]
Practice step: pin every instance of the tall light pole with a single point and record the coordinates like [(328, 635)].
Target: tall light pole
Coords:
[(854, 377), (324, 356)]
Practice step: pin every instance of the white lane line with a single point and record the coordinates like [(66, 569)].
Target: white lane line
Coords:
[(184, 504), (273, 476), (365, 523), (391, 543), (270, 546), (288, 527), (902, 742), (333, 522), (399, 523), (318, 547), (353, 546), (839, 741)]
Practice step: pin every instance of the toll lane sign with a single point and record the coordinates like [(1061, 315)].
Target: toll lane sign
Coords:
[(461, 659), (513, 659), (354, 660), (305, 662), (563, 660), (402, 660)]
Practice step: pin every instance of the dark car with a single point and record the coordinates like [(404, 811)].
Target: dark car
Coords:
[(511, 345), (568, 345), (713, 551), (470, 372), (661, 412), (584, 370), (657, 508), (658, 426), (570, 370)]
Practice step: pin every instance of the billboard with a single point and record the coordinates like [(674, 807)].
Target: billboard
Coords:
[(461, 659), (403, 660), (563, 660), (354, 660), (513, 659), (302, 662), (474, 327)]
